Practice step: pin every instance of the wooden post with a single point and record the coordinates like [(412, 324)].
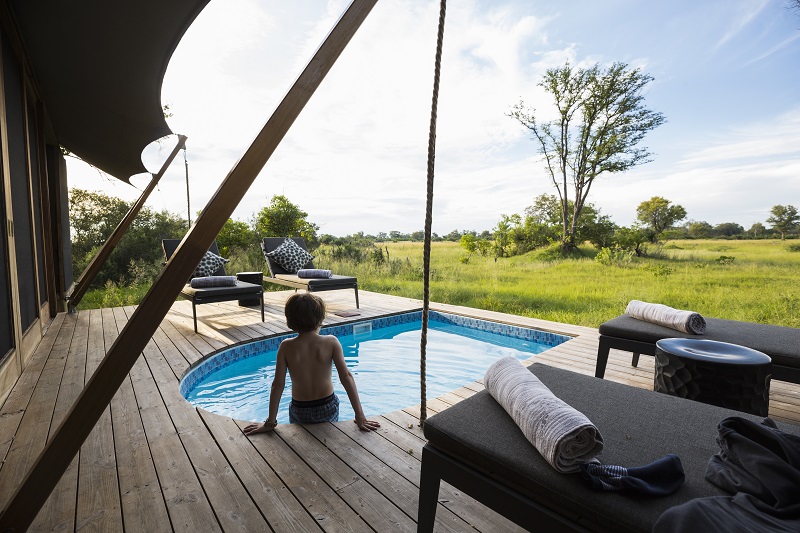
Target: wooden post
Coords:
[(93, 268), (96, 396)]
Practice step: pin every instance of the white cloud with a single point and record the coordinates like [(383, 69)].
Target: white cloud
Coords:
[(356, 157)]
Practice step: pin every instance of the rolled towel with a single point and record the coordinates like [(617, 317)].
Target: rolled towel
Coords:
[(685, 321), (314, 273), (562, 434), (213, 281)]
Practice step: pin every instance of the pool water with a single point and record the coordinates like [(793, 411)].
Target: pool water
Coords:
[(383, 355)]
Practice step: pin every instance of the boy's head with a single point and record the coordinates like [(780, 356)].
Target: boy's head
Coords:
[(304, 312)]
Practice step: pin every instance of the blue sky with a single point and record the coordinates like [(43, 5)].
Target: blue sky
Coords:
[(727, 78)]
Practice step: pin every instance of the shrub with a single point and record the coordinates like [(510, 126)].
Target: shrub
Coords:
[(613, 256), (725, 259), (794, 247)]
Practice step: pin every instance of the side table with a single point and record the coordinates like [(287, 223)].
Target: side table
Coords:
[(257, 278), (713, 372)]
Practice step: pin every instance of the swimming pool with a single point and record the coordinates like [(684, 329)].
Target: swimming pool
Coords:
[(382, 354)]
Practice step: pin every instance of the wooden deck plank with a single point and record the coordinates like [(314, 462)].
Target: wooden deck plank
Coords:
[(368, 486), (330, 512), (143, 506), (35, 422), (188, 507), (99, 506), (58, 511), (154, 462), (225, 492)]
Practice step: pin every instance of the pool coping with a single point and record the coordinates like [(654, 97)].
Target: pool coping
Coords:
[(230, 354)]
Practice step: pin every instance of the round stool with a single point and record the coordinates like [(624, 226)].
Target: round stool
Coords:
[(256, 278), (713, 372)]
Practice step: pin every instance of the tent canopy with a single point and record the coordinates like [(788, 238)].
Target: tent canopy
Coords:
[(102, 94)]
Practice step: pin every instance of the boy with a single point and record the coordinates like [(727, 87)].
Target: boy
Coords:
[(309, 357)]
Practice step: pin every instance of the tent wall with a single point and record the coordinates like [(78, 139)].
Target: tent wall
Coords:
[(33, 215)]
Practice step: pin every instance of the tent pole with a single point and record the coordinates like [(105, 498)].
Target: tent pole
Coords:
[(93, 268), (120, 358)]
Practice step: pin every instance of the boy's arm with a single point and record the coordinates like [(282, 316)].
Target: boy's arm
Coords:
[(349, 384), (276, 391)]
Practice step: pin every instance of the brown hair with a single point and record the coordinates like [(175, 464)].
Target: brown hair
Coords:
[(304, 312)]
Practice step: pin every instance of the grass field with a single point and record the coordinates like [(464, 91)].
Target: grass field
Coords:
[(757, 281)]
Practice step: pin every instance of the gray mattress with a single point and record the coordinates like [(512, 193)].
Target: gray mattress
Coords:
[(638, 427)]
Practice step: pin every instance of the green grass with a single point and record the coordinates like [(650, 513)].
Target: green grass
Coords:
[(760, 284)]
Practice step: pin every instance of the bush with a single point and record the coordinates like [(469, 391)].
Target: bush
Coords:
[(613, 256), (725, 259), (794, 247)]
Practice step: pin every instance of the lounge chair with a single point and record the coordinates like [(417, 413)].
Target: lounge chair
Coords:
[(280, 276), (476, 447), (781, 343), (242, 290)]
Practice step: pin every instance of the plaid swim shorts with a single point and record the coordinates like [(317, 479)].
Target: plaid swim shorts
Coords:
[(314, 411)]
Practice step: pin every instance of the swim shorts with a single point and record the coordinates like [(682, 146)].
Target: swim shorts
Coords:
[(314, 411)]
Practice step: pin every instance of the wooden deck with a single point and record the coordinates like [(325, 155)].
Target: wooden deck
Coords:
[(155, 463)]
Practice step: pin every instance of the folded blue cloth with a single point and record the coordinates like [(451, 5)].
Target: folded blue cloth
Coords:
[(213, 281), (660, 478), (314, 273)]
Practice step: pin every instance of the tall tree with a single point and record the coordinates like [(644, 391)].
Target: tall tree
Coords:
[(658, 214), (784, 219), (282, 218), (601, 121), (94, 215)]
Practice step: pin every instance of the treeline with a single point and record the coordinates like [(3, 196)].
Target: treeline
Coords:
[(138, 257)]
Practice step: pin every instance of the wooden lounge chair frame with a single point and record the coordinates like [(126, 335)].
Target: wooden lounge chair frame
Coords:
[(279, 276), (781, 343), (242, 290), (477, 448)]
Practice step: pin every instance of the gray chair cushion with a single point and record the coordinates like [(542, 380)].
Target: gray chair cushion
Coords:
[(203, 293), (638, 427), (333, 281), (781, 343)]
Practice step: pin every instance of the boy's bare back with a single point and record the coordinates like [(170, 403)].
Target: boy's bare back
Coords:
[(309, 359)]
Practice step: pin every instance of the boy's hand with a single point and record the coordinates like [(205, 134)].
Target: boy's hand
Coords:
[(366, 425), (252, 429)]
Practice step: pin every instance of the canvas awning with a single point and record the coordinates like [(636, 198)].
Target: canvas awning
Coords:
[(100, 66)]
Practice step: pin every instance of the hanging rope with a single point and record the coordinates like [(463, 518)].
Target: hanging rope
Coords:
[(188, 206), (426, 249)]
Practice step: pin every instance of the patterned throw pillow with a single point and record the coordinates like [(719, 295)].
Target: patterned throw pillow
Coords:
[(209, 264), (290, 256)]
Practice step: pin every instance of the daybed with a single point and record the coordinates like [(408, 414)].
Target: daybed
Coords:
[(198, 296), (280, 276), (476, 447), (781, 343)]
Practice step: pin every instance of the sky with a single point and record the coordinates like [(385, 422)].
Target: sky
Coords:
[(726, 77)]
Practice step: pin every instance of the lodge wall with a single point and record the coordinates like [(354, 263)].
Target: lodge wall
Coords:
[(35, 271)]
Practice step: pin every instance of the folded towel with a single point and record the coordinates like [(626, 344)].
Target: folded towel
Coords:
[(562, 434), (685, 321), (314, 273), (660, 478), (213, 281)]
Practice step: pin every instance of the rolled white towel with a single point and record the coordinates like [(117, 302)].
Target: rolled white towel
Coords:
[(314, 273), (677, 319), (564, 436)]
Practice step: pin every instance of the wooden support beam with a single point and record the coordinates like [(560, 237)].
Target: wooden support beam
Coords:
[(122, 355), (93, 268)]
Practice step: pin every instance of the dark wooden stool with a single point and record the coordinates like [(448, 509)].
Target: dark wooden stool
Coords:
[(256, 278), (713, 372)]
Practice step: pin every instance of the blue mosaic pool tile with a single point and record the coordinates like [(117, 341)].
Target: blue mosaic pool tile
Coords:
[(221, 359)]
